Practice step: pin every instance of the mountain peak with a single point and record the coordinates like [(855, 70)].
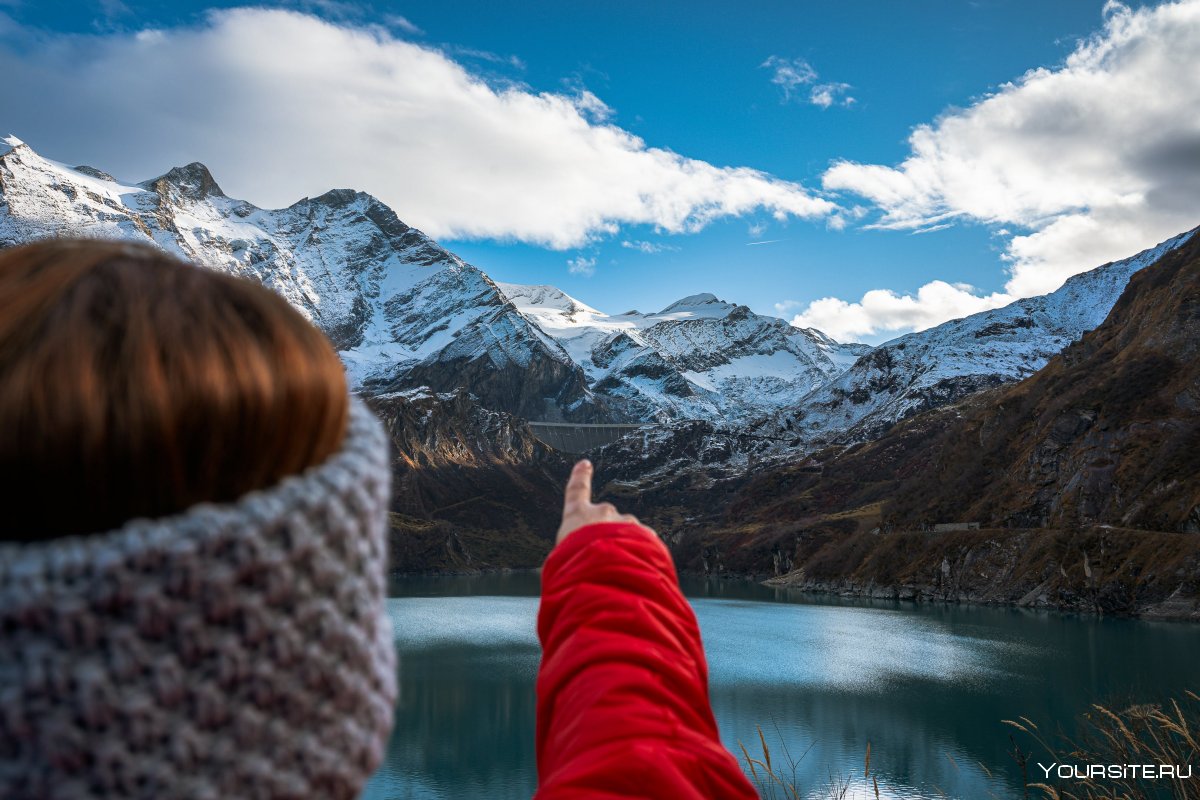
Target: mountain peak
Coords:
[(193, 181), (8, 144), (543, 296), (339, 197), (694, 301)]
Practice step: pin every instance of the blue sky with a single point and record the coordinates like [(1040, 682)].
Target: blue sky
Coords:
[(715, 85)]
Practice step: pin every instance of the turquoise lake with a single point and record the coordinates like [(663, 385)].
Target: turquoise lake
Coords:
[(926, 685)]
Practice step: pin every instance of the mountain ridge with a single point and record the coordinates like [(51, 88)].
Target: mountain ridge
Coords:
[(1083, 481), (945, 363), (400, 309), (405, 312), (698, 358)]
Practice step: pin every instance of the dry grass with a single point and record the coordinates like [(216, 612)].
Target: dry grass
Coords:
[(776, 780), (1140, 734), (871, 513)]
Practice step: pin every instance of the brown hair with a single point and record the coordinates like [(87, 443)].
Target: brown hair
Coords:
[(136, 385)]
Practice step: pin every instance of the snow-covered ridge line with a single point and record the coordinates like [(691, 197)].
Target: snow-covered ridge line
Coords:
[(942, 364), (402, 309), (698, 358), (405, 312)]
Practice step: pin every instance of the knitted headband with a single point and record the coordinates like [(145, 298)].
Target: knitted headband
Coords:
[(235, 650)]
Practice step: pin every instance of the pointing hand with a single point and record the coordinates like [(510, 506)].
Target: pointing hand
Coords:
[(578, 508)]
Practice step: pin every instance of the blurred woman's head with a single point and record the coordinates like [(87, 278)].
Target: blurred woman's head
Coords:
[(193, 538), (134, 385)]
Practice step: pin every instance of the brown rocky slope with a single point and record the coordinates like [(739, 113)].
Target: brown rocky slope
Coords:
[(1085, 479), (472, 488)]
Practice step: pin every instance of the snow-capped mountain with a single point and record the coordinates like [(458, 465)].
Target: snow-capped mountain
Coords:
[(405, 312), (402, 310), (698, 358), (940, 365)]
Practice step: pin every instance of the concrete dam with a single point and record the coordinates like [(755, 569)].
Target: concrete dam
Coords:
[(571, 437)]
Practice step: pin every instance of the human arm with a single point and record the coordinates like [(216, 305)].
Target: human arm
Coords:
[(623, 706)]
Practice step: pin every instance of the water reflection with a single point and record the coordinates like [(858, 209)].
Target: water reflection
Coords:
[(465, 714), (927, 686)]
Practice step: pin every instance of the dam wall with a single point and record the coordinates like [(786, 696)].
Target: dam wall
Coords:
[(571, 437)]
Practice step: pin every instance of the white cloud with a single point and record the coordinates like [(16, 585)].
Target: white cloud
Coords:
[(1095, 160), (785, 306), (463, 52), (591, 106), (114, 8), (1081, 164), (791, 74), (885, 310), (829, 94), (402, 23), (649, 248), (334, 9), (582, 265), (452, 154)]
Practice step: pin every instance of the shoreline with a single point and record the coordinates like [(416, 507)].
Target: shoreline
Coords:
[(1177, 610), (1107, 571), (1102, 571), (1171, 610)]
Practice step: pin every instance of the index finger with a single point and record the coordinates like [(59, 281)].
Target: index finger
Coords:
[(579, 487)]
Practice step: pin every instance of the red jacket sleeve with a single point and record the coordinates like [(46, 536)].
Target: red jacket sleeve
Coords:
[(622, 691)]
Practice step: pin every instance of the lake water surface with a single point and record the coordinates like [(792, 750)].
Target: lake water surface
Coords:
[(926, 685)]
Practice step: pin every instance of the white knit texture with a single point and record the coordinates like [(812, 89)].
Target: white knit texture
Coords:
[(235, 650)]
